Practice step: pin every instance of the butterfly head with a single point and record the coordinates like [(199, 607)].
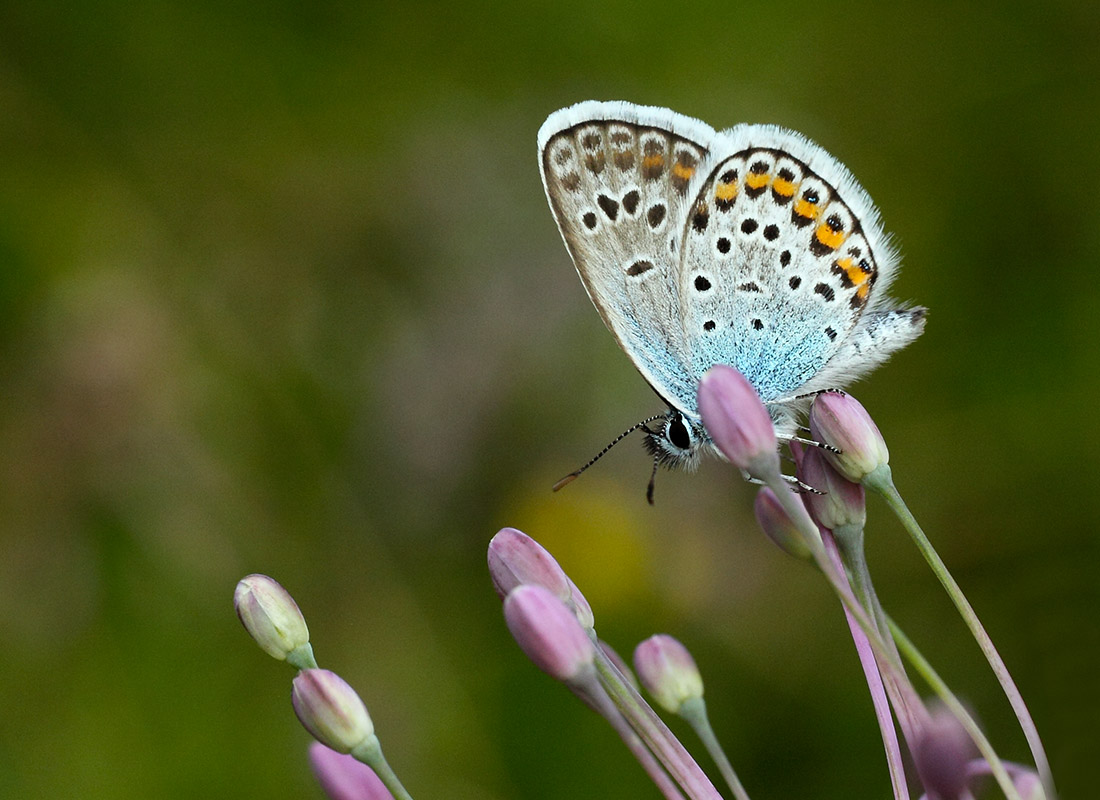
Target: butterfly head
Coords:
[(672, 438), (675, 440)]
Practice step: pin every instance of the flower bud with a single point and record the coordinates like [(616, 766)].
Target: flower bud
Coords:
[(1028, 785), (581, 609), (841, 502), (941, 754), (343, 778), (548, 632), (331, 710), (270, 616), (775, 523), (515, 558), (668, 672), (838, 419), (737, 421)]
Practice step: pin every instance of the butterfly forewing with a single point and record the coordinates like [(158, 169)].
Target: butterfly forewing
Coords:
[(621, 190)]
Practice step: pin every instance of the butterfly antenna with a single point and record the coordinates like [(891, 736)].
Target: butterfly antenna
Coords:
[(572, 476)]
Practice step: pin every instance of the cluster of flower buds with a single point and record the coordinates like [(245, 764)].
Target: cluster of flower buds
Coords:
[(554, 626), (821, 516), (818, 515), (347, 756)]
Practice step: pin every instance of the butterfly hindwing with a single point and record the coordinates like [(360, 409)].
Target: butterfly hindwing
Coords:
[(776, 268)]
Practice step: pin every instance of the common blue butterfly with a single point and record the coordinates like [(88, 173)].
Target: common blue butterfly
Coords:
[(750, 246)]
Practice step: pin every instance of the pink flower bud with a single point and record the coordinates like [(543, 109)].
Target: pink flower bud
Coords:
[(841, 502), (839, 420), (270, 616), (941, 755), (343, 778), (548, 632), (331, 710), (775, 523), (581, 609), (737, 421), (1029, 786), (515, 558), (668, 672)]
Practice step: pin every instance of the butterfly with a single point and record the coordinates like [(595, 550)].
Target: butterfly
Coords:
[(751, 247)]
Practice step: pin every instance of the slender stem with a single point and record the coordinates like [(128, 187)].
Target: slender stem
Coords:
[(370, 753), (590, 690), (849, 542), (695, 712), (878, 693), (656, 735), (854, 557), (302, 657), (884, 484), (904, 696), (930, 675)]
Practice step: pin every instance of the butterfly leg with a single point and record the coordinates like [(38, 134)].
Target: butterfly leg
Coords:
[(809, 443), (796, 485)]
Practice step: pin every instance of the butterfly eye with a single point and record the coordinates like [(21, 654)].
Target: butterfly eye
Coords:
[(677, 433)]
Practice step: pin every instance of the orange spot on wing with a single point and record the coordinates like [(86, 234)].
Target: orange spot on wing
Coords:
[(853, 271), (725, 191), (757, 181), (682, 171), (830, 238), (783, 187), (653, 162), (804, 208)]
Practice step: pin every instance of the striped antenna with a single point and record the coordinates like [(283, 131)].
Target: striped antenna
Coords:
[(572, 476)]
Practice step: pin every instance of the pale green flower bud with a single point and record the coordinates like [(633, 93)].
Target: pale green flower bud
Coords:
[(668, 672), (270, 616)]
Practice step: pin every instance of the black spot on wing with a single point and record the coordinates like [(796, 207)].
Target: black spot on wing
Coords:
[(610, 207), (656, 215)]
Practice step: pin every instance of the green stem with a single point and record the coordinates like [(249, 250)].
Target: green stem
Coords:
[(849, 540), (882, 481), (370, 753), (302, 657), (855, 561), (694, 711), (921, 665)]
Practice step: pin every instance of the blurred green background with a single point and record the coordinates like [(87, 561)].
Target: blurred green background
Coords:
[(280, 292)]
